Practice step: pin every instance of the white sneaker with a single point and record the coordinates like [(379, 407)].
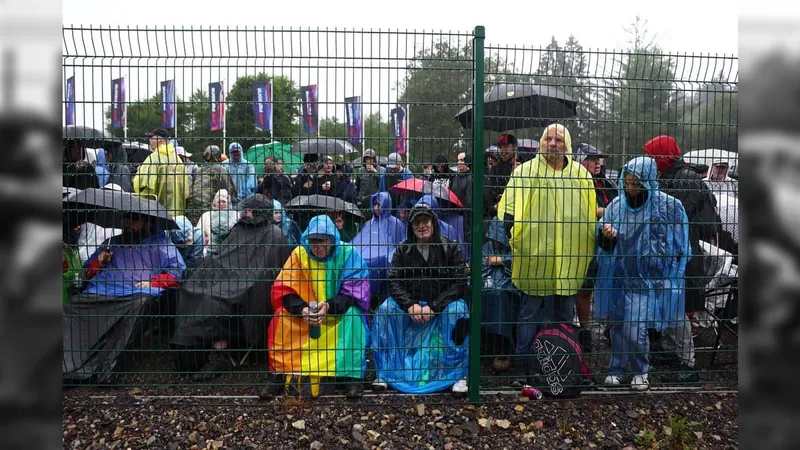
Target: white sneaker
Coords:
[(379, 385), (611, 380), (460, 389), (640, 383)]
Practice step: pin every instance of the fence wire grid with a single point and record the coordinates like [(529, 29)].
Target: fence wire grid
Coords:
[(317, 212)]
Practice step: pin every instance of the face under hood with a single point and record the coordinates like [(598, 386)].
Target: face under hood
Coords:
[(561, 129), (385, 201), (664, 150), (321, 224), (184, 233), (644, 168), (277, 207)]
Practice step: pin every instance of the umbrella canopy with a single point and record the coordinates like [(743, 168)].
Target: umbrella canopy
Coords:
[(516, 106), (105, 207), (323, 202), (418, 188), (710, 156), (323, 146), (526, 149), (257, 153), (90, 136)]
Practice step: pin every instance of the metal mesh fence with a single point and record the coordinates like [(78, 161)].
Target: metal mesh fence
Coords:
[(322, 210)]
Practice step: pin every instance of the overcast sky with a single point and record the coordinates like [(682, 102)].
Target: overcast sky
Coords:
[(680, 26)]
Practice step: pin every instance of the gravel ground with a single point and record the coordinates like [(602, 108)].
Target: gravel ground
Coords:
[(699, 419)]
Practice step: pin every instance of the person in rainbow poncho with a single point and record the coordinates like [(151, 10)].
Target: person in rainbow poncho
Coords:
[(314, 349)]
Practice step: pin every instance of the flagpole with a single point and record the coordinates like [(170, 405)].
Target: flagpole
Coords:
[(363, 131), (175, 107), (225, 121), (271, 111), (124, 106), (408, 136)]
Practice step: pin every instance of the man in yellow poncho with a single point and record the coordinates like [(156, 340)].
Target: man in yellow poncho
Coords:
[(164, 175), (549, 207)]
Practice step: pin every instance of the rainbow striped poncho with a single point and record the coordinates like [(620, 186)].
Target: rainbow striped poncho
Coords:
[(339, 350)]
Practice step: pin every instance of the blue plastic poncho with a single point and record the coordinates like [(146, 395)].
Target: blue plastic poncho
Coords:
[(101, 168), (188, 240), (500, 297), (642, 278), (290, 229), (379, 237), (131, 264)]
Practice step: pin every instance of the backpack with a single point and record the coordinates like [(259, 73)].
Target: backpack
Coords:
[(557, 366)]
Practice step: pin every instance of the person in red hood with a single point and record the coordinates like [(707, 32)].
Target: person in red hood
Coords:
[(684, 182)]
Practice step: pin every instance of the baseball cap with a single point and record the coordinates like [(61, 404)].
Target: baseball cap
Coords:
[(235, 147), (368, 153), (505, 139), (159, 132), (394, 160), (584, 151), (421, 209), (180, 151)]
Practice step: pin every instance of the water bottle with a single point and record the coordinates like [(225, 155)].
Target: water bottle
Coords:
[(532, 392), (77, 282), (313, 330)]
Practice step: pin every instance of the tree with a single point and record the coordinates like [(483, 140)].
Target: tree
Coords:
[(144, 116), (239, 113), (643, 102), (376, 131), (713, 124), (566, 68)]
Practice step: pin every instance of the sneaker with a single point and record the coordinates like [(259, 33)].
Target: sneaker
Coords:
[(682, 374), (275, 387), (217, 364), (460, 389), (379, 385), (640, 382), (355, 388), (611, 380)]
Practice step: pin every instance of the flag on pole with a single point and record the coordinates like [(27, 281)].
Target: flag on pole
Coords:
[(118, 119), (69, 106), (399, 124), (262, 105), (353, 115), (217, 97), (168, 104), (308, 95)]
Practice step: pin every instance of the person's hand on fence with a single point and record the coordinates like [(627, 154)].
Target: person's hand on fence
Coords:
[(104, 258), (415, 311), (427, 314), (609, 232)]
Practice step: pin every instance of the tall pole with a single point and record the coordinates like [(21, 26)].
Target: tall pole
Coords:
[(125, 107), (477, 217)]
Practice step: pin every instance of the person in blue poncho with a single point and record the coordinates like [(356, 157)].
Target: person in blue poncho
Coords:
[(500, 298), (420, 341), (286, 224), (123, 275), (189, 241), (643, 249), (378, 237)]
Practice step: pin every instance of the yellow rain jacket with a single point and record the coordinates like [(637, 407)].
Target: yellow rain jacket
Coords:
[(553, 237), (164, 175)]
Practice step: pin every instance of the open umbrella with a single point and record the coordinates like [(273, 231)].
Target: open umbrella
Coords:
[(105, 207), (418, 188), (323, 146), (515, 106), (526, 149), (91, 136), (322, 202)]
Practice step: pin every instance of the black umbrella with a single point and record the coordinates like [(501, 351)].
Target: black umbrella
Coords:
[(323, 146), (526, 149), (82, 133), (323, 202), (516, 106), (105, 207)]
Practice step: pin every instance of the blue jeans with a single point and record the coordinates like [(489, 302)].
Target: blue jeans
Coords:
[(629, 344), (535, 311)]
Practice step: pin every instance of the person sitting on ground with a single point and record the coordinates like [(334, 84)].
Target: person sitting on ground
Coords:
[(222, 305), (419, 334), (643, 248), (123, 276), (500, 298), (290, 229), (189, 241), (321, 301)]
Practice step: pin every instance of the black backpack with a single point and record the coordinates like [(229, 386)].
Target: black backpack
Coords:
[(557, 366)]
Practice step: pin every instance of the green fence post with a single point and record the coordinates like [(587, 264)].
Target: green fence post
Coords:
[(477, 214)]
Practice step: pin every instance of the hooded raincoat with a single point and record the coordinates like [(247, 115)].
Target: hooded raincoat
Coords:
[(341, 280), (287, 225), (422, 358), (189, 241), (164, 175), (244, 176), (379, 236), (640, 281), (555, 215)]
